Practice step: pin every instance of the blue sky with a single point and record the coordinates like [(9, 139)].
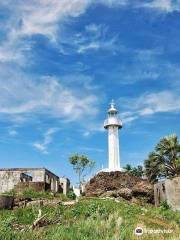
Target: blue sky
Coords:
[(62, 61)]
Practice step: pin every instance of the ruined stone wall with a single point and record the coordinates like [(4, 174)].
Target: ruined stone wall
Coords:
[(8, 179), (52, 180), (159, 193), (37, 174), (168, 190), (36, 186), (25, 178), (173, 192), (64, 185)]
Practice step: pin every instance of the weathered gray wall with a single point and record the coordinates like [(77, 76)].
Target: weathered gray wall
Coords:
[(53, 180), (6, 202), (173, 192), (65, 184), (168, 190), (8, 179)]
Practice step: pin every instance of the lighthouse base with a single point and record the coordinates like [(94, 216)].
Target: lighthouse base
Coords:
[(111, 170)]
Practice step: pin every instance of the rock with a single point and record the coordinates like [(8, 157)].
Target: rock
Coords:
[(125, 193), (119, 184), (144, 190), (135, 201), (109, 194), (95, 193), (35, 203), (69, 203), (6, 202), (21, 202), (44, 202)]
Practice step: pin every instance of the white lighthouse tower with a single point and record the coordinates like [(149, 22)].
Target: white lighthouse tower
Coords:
[(113, 124)]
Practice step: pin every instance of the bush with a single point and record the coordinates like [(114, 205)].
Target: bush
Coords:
[(164, 205), (61, 196), (10, 193), (71, 195), (31, 193)]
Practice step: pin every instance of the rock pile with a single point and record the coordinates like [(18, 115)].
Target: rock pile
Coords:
[(119, 184), (30, 202)]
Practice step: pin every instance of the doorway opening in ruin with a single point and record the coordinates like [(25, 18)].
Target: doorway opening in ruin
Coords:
[(26, 177)]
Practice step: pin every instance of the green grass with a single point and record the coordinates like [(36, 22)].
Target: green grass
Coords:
[(92, 219), (31, 193)]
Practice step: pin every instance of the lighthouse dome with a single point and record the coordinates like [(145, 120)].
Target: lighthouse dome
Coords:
[(112, 108)]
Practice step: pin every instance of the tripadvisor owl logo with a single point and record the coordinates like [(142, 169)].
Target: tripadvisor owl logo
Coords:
[(138, 231)]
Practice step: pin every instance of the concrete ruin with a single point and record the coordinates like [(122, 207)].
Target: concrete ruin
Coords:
[(64, 184), (168, 190), (39, 179)]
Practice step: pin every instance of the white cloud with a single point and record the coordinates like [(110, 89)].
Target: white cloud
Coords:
[(108, 45), (86, 133), (25, 98), (48, 138), (162, 5), (92, 149), (95, 37), (149, 104), (147, 65), (28, 18), (93, 28), (165, 101), (112, 3), (42, 17), (12, 132)]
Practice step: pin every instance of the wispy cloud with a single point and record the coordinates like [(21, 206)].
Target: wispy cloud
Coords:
[(42, 17), (109, 45), (46, 18), (27, 98), (163, 5), (12, 132), (94, 37), (31, 18), (92, 149), (42, 146), (149, 104), (147, 65)]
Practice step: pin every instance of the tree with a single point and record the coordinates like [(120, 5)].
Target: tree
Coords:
[(135, 171), (81, 164), (128, 168), (138, 171), (164, 161)]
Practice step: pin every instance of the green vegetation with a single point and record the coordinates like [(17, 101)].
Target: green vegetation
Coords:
[(71, 195), (135, 171), (91, 219), (81, 164), (164, 161), (31, 193)]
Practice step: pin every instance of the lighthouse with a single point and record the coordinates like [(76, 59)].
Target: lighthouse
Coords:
[(113, 124)]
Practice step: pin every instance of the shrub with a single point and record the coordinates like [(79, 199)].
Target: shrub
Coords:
[(11, 193), (31, 193), (71, 195), (164, 205)]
